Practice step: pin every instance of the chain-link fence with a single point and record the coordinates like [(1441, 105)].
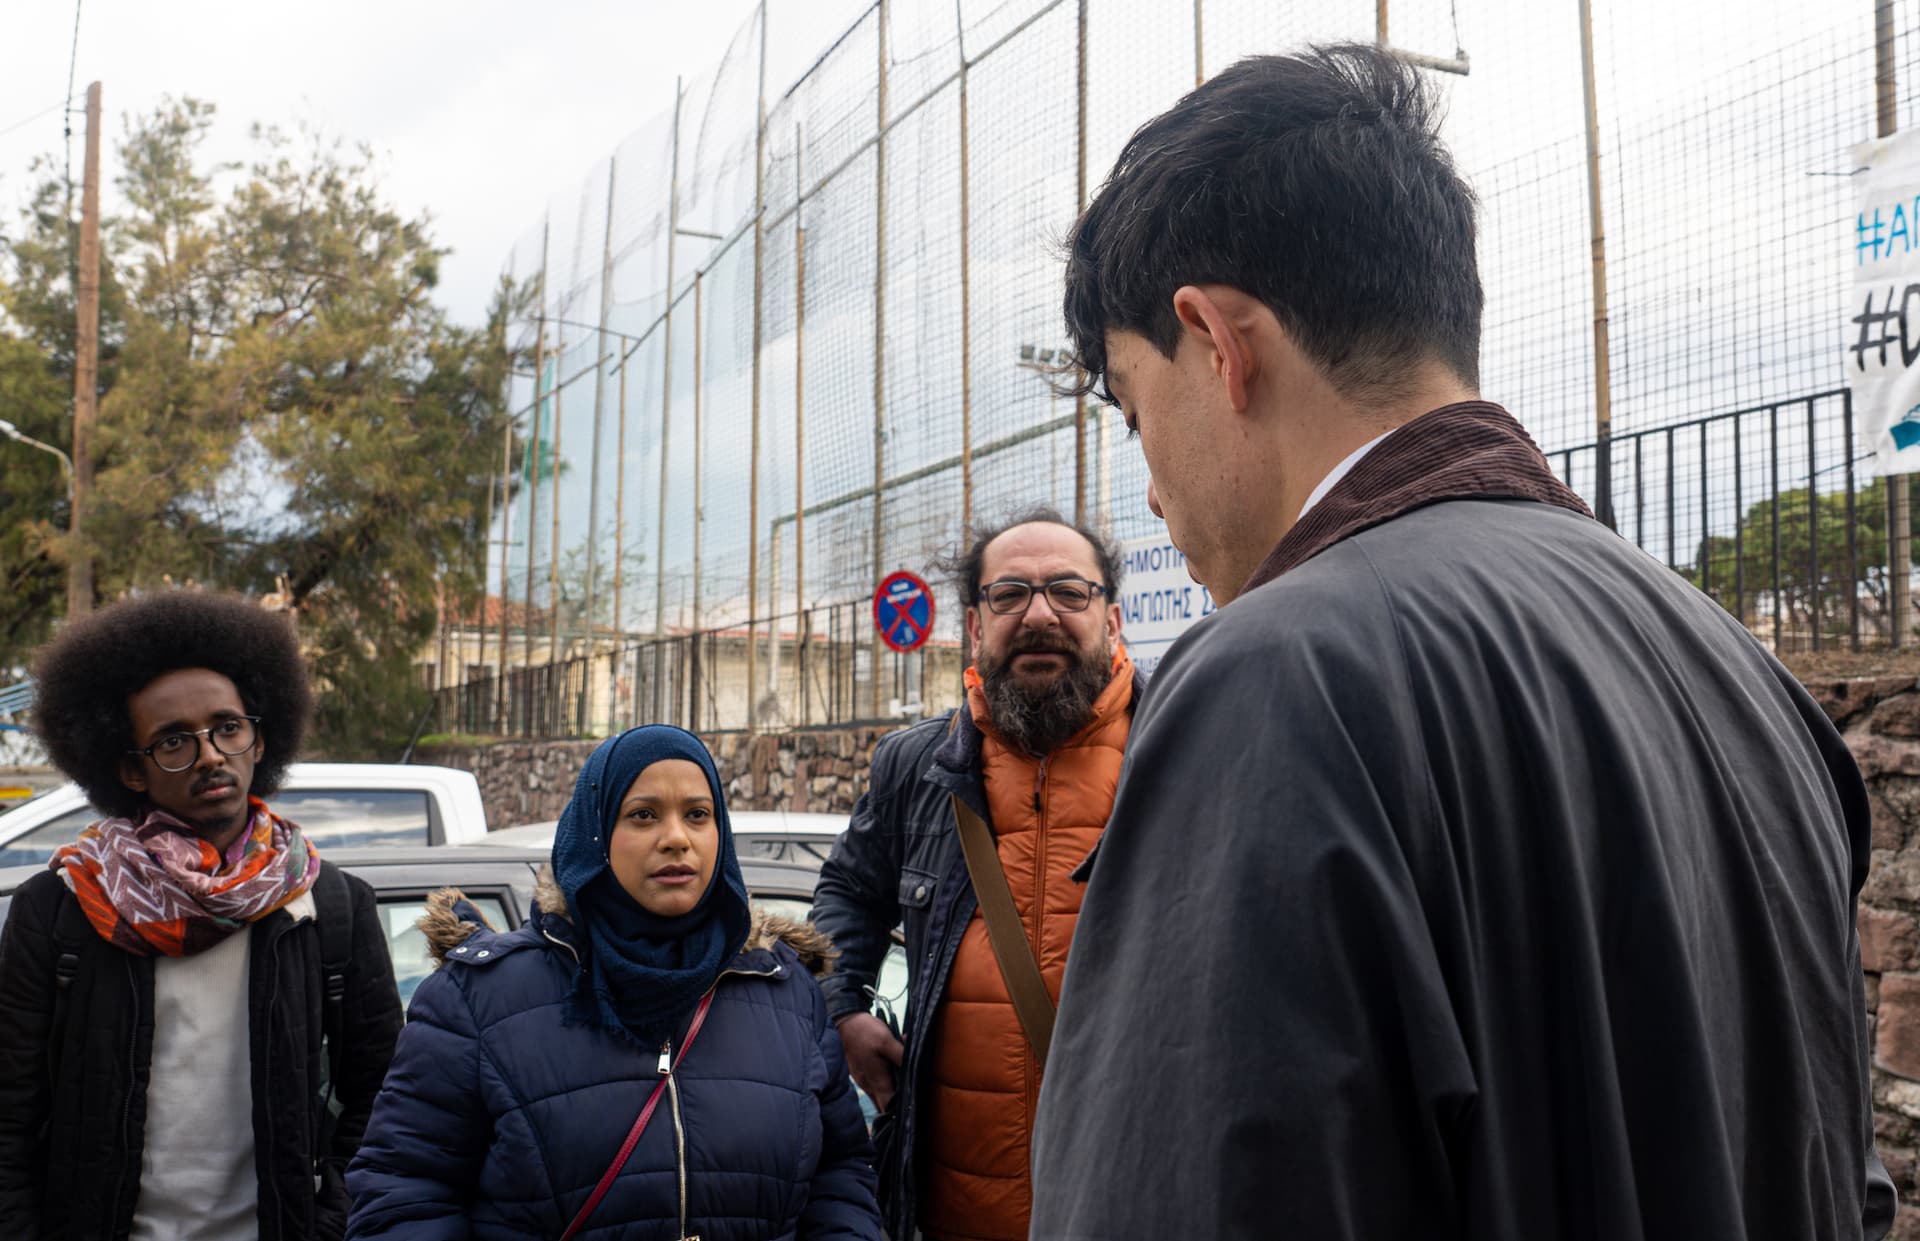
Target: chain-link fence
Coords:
[(793, 334)]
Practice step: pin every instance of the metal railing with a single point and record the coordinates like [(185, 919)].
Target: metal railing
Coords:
[(808, 669), (1762, 509)]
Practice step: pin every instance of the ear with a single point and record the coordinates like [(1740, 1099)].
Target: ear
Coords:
[(1113, 620), (1205, 322), (973, 627), (132, 773)]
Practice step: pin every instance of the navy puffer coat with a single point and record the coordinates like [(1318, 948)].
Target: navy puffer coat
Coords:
[(497, 1119)]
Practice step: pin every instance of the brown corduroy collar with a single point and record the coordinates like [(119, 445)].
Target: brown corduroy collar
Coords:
[(1473, 450)]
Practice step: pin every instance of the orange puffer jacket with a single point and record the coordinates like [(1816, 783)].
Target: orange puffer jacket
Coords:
[(984, 1085)]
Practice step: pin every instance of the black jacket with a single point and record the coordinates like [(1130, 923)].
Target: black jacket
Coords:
[(899, 863), (73, 1116), (1478, 878)]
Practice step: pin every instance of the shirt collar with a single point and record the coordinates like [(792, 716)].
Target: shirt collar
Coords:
[(1337, 473)]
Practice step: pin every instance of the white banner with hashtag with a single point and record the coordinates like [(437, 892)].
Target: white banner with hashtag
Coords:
[(1882, 334)]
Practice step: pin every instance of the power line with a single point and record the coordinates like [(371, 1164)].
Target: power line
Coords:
[(22, 124)]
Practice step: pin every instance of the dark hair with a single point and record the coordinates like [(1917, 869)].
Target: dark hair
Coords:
[(964, 565), (1314, 182), (84, 676)]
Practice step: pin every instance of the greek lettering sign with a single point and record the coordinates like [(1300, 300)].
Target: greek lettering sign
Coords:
[(1158, 601), (903, 611), (1882, 331)]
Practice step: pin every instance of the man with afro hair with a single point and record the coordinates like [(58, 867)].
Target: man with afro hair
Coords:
[(196, 1012)]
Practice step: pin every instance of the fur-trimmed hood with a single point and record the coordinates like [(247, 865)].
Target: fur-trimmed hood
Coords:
[(451, 920)]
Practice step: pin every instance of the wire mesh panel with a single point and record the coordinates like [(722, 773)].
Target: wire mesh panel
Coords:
[(804, 321)]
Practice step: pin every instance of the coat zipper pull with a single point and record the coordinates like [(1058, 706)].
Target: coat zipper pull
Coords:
[(666, 1058)]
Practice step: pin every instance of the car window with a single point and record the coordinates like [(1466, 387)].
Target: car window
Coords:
[(407, 944), (38, 845), (348, 818)]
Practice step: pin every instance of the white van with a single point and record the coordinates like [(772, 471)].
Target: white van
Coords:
[(338, 805)]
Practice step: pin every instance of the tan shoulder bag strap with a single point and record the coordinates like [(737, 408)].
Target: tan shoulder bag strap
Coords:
[(1010, 945)]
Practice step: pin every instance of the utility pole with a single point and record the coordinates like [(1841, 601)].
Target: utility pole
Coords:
[(1900, 518), (86, 369)]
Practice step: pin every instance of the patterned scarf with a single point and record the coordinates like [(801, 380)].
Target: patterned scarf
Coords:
[(153, 888)]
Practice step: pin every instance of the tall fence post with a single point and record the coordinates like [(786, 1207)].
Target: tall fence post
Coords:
[(1602, 377), (499, 704), (533, 449), (553, 512), (753, 473), (620, 524), (666, 415), (800, 413), (1200, 43), (1080, 204), (966, 290), (880, 338), (590, 588), (695, 620), (1899, 517)]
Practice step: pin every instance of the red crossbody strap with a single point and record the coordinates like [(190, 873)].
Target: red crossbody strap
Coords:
[(639, 1125)]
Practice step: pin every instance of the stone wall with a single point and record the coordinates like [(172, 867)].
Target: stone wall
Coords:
[(812, 770), (1880, 717)]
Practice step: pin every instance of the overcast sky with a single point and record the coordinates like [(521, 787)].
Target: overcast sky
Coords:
[(478, 110)]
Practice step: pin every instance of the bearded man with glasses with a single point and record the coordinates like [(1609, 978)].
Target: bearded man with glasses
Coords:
[(1034, 752), (196, 1012)]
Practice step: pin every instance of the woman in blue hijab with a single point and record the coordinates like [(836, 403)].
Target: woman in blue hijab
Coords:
[(647, 1057)]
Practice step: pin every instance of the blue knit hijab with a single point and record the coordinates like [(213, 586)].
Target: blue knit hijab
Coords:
[(641, 973)]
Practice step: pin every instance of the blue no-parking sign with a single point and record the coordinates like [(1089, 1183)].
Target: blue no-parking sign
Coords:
[(903, 611)]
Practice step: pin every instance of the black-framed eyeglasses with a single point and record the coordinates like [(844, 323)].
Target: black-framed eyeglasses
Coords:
[(178, 751), (1012, 597)]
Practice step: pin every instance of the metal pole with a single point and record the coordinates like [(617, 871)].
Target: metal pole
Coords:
[(1773, 467), (753, 484), (1900, 518), (1080, 204), (86, 369), (1380, 22), (495, 485), (1200, 42), (773, 622), (1813, 522), (695, 621), (620, 508), (1602, 394), (966, 295), (553, 511), (1853, 554), (880, 340), (506, 546), (666, 416), (1739, 529), (533, 455), (599, 399), (1706, 516), (800, 423)]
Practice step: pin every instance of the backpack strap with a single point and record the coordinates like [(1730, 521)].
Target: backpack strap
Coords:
[(333, 911)]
